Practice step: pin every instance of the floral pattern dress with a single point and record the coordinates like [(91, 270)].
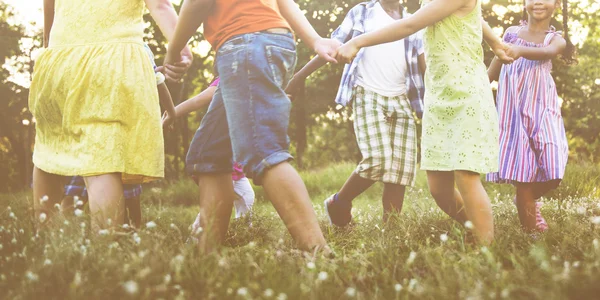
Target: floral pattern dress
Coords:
[(460, 123)]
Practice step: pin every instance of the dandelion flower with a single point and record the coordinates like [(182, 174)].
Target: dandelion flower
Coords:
[(125, 226), (311, 265), (469, 225), (242, 291), (78, 212), (44, 199), (57, 206), (32, 276), (12, 215), (323, 276), (596, 220), (268, 293), (443, 237), (350, 292), (167, 279), (581, 210), (82, 224), (131, 287), (43, 217), (103, 232), (411, 258), (173, 226), (150, 225), (281, 296), (66, 223), (398, 287), (14, 241), (79, 203), (137, 239), (47, 262)]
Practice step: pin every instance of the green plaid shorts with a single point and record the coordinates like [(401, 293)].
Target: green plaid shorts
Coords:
[(387, 137)]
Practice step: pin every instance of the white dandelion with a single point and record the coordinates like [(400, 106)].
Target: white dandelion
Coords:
[(322, 276), (595, 220), (581, 210), (268, 293), (12, 215), (131, 287), (469, 225), (137, 239), (44, 199), (78, 212), (82, 225), (66, 223), (57, 206), (32, 276), (150, 225), (43, 217), (398, 287), (13, 241), (79, 203), (125, 226), (443, 237), (242, 291), (311, 265), (173, 226), (47, 262), (103, 232), (282, 296), (350, 292), (411, 258)]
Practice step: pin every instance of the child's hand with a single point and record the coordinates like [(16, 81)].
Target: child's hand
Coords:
[(327, 49), (294, 86), (168, 120), (176, 64), (502, 53), (347, 52), (514, 52)]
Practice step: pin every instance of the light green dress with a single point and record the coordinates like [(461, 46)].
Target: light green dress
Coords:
[(460, 123)]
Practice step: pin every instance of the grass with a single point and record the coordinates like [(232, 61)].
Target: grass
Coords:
[(402, 261)]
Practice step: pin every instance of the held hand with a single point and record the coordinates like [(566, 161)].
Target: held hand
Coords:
[(175, 65), (168, 120), (327, 49), (347, 52), (514, 52), (503, 55)]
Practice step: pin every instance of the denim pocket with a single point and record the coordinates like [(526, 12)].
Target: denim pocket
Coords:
[(232, 45), (282, 62)]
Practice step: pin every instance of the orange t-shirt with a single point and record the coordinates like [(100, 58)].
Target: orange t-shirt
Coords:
[(229, 18)]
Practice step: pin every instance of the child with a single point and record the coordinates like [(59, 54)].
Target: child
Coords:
[(249, 114), (244, 194), (383, 82), (76, 190), (533, 144), (94, 97), (460, 126)]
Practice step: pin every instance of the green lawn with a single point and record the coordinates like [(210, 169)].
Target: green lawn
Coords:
[(404, 260)]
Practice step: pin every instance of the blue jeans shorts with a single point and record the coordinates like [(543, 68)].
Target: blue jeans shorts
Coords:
[(247, 120)]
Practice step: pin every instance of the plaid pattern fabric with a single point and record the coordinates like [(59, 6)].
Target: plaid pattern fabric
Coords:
[(76, 187), (387, 137), (353, 26)]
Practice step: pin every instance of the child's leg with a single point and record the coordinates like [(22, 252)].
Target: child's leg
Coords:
[(105, 193), (477, 205), (526, 205), (441, 186), (542, 188), (393, 198), (216, 203), (289, 196), (353, 187), (46, 186), (133, 216)]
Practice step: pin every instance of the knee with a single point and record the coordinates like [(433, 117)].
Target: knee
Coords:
[(440, 193), (466, 177)]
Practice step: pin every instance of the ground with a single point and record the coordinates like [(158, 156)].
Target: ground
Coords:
[(423, 255)]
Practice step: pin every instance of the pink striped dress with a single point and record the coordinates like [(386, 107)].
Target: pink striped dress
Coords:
[(533, 143)]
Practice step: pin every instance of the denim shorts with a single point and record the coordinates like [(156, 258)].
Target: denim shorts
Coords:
[(247, 120)]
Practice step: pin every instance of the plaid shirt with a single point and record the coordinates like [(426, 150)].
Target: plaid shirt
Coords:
[(76, 187), (353, 26)]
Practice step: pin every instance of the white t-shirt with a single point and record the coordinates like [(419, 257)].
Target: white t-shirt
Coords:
[(382, 68)]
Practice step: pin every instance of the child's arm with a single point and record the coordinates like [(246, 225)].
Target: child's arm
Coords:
[(326, 48), (191, 16), (494, 69), (166, 102), (422, 65), (555, 48), (197, 102), (499, 48), (48, 20), (163, 12)]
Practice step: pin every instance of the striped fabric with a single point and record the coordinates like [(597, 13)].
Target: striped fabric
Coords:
[(533, 143)]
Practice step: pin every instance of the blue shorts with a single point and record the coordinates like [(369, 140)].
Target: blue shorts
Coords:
[(247, 120), (76, 187)]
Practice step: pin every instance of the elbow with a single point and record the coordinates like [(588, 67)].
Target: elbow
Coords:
[(161, 6)]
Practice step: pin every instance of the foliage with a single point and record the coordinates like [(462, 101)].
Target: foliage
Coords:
[(404, 260)]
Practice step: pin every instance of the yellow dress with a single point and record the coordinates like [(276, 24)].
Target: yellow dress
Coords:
[(94, 95)]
